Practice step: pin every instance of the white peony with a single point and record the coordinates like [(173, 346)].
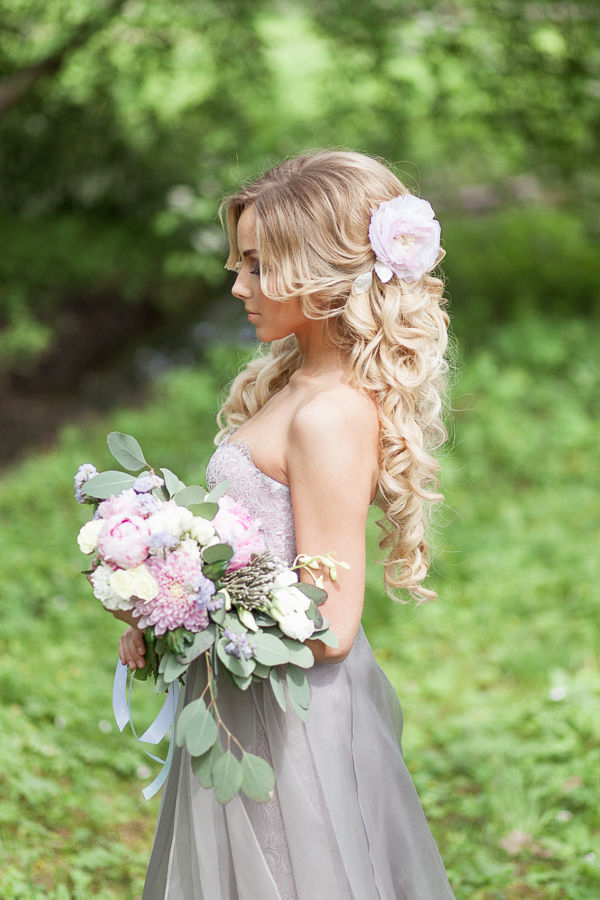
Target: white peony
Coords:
[(137, 582), (296, 625), (172, 518), (104, 591), (288, 600), (87, 538), (201, 530), (284, 578)]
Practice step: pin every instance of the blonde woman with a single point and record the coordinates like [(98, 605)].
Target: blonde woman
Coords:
[(332, 256)]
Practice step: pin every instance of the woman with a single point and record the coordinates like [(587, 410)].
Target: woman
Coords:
[(332, 256)]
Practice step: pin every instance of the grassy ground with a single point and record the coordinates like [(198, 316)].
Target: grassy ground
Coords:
[(499, 679)]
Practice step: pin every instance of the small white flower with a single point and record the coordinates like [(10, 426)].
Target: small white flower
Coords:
[(297, 626), (172, 518), (87, 539), (137, 582), (201, 530), (285, 578), (558, 692), (564, 815), (289, 600), (104, 592)]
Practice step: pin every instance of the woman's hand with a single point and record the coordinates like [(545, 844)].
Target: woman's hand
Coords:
[(132, 649)]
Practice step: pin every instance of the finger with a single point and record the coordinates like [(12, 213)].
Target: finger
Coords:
[(137, 648)]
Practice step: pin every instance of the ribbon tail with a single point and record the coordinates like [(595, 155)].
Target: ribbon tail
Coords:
[(121, 708), (157, 730), (155, 786)]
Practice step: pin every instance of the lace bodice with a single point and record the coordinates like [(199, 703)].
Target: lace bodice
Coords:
[(263, 497)]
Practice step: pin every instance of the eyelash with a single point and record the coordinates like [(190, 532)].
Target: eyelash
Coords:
[(237, 268)]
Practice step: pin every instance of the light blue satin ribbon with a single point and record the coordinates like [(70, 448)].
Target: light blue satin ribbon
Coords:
[(156, 731)]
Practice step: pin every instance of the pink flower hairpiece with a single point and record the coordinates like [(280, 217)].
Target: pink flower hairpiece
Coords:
[(405, 237)]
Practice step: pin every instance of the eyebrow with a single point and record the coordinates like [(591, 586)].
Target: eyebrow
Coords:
[(249, 252)]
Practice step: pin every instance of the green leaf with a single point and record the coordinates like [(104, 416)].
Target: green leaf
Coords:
[(170, 668), (298, 686), (196, 728), (311, 590), (299, 710), (242, 683), (217, 491), (204, 510), (217, 553), (107, 484), (258, 779), (202, 642), (263, 620), (270, 650), (202, 765), (261, 671), (187, 496), (328, 637), (160, 685), (172, 482), (240, 667), (277, 685), (314, 615), (126, 451), (218, 615), (300, 654), (227, 776), (233, 623)]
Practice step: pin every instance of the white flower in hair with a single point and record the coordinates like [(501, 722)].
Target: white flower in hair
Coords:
[(405, 237)]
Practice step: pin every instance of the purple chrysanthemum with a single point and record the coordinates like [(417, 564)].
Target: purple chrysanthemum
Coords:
[(181, 585)]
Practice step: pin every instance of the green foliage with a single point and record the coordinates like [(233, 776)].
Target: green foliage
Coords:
[(499, 678)]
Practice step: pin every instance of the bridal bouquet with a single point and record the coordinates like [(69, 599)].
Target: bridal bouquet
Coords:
[(193, 569)]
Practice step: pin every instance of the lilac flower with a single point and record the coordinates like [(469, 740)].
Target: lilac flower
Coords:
[(146, 482), (160, 542), (216, 602), (147, 504), (84, 473), (238, 645)]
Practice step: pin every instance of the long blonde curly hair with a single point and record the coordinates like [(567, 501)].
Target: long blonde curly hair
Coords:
[(312, 221)]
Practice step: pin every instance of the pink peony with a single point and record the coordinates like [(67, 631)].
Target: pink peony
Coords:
[(405, 237), (236, 527), (123, 541), (125, 504), (183, 592)]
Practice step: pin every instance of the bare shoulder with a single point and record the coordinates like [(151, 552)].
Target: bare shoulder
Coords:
[(336, 413)]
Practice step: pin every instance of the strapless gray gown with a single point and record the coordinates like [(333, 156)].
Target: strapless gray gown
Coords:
[(345, 822)]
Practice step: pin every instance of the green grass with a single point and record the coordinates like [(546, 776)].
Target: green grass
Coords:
[(499, 678)]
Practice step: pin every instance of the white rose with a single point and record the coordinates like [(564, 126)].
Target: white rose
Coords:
[(87, 538), (289, 600), (172, 518), (297, 626), (137, 582), (104, 591), (201, 530), (284, 578)]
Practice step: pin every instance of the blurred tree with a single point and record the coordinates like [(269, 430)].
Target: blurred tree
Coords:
[(123, 124)]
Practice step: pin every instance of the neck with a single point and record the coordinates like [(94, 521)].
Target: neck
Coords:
[(319, 355)]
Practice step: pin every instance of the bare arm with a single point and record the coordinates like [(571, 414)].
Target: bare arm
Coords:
[(332, 468)]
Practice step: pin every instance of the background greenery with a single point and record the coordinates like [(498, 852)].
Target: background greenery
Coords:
[(121, 126)]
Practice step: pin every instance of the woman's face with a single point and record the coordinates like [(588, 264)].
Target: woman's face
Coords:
[(273, 319)]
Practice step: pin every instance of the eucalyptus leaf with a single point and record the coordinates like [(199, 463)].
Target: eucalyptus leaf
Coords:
[(314, 615), (217, 553), (172, 482), (170, 668), (126, 451), (319, 595), (270, 650), (263, 620), (187, 496), (227, 776), (278, 687), (258, 779), (300, 654), (261, 671), (160, 685), (241, 667), (218, 615), (108, 484), (218, 491), (202, 765), (196, 728), (233, 623), (202, 641), (204, 510), (298, 686), (328, 637), (299, 710), (242, 683)]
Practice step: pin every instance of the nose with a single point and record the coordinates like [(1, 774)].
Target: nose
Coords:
[(240, 288)]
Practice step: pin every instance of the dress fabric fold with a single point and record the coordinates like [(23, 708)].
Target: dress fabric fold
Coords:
[(345, 822)]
